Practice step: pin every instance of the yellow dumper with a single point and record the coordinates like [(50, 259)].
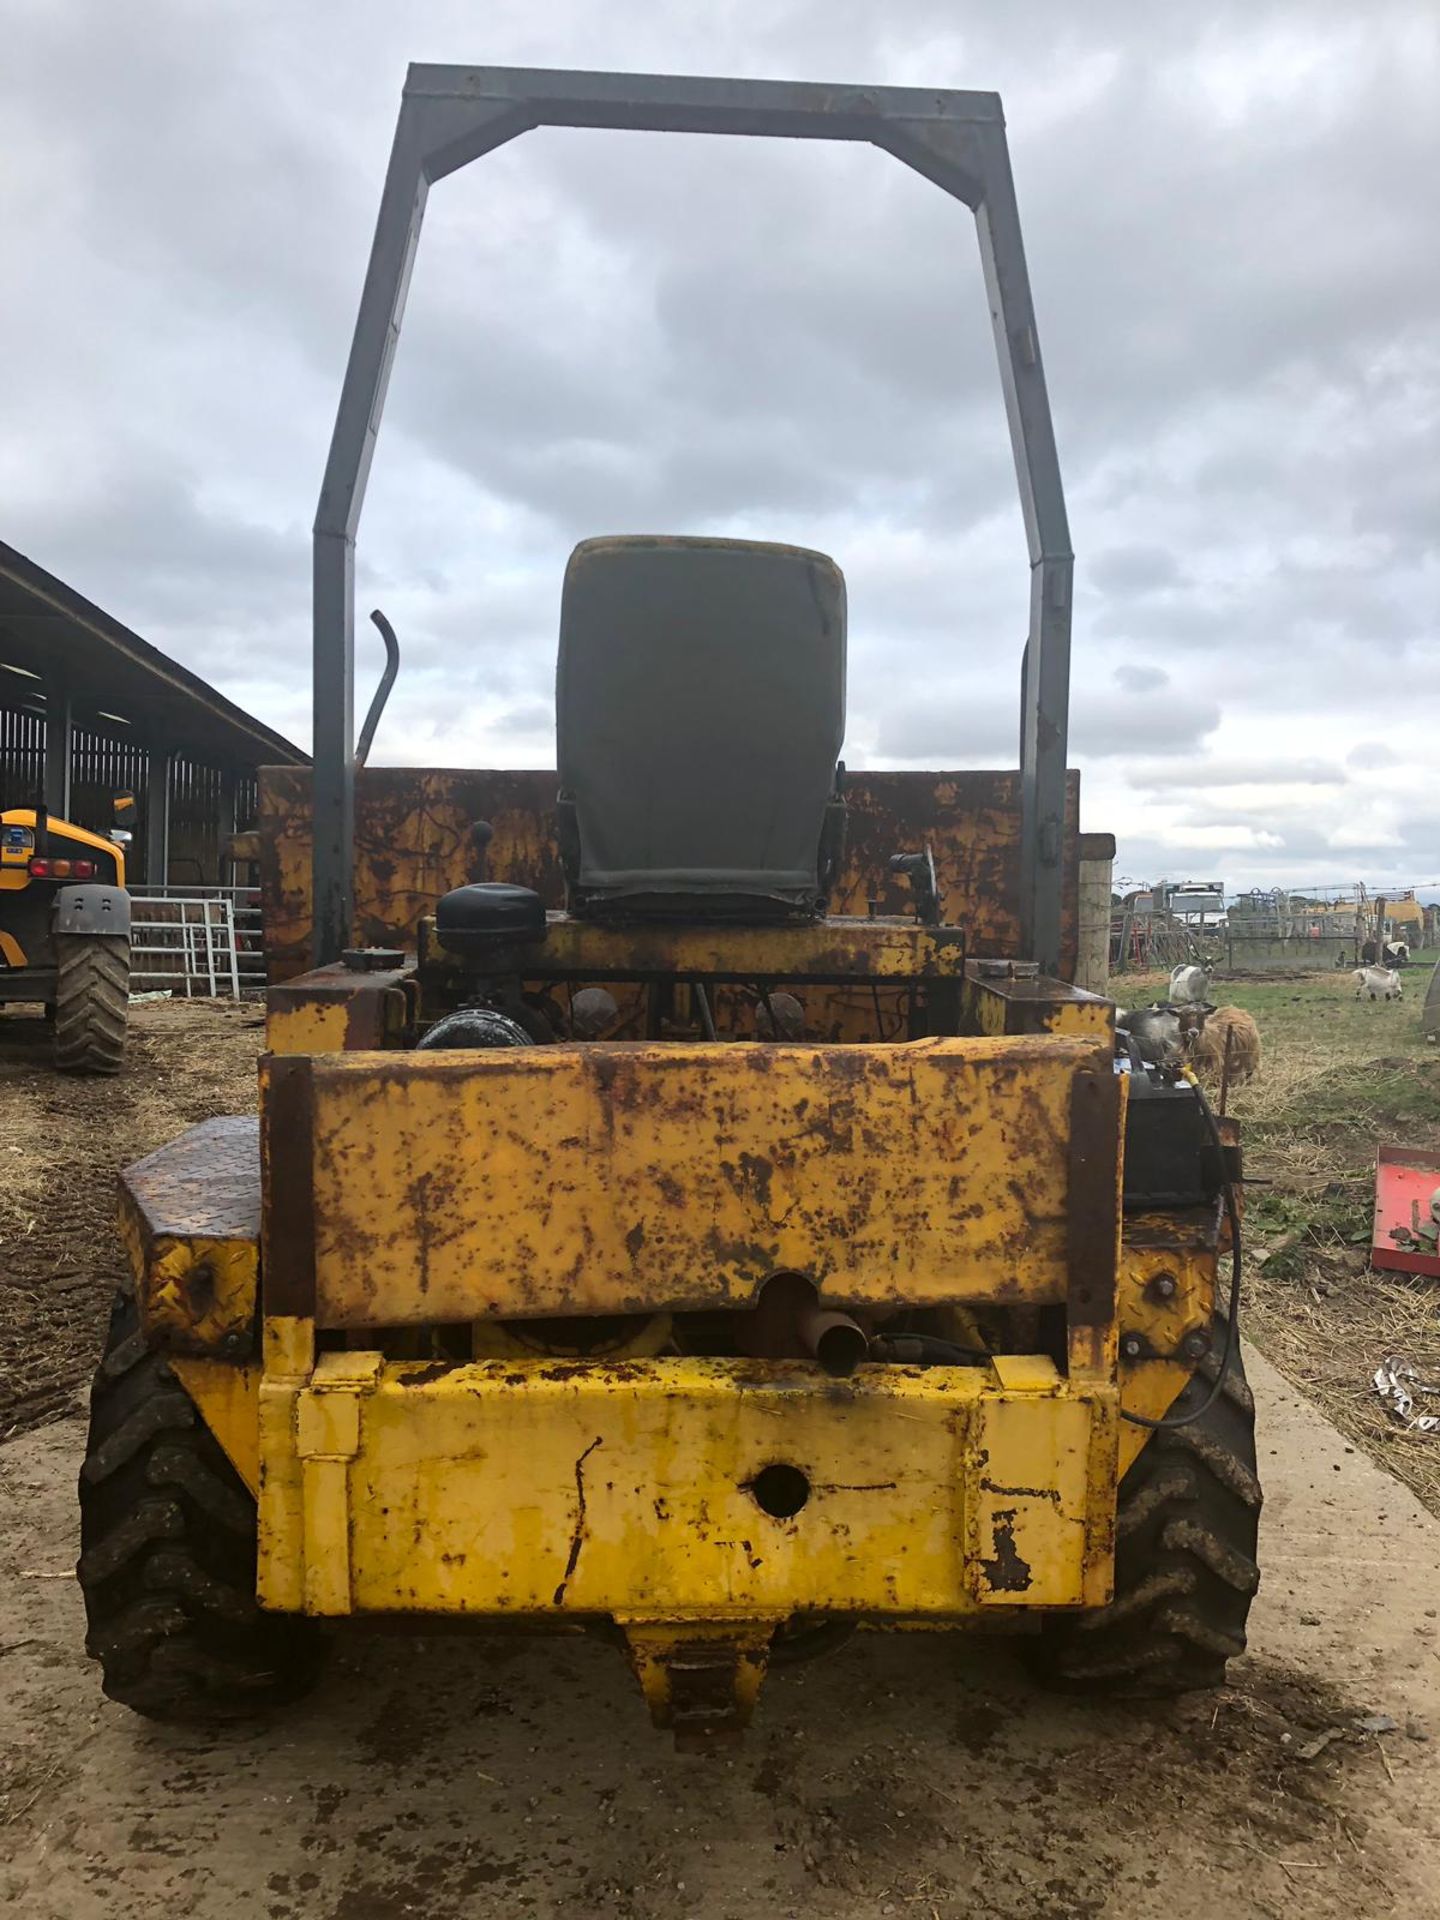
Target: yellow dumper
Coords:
[(688, 1200)]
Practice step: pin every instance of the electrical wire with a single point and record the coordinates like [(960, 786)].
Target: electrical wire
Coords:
[(1168, 1422)]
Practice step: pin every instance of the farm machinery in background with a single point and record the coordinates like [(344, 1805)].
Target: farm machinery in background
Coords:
[(65, 930)]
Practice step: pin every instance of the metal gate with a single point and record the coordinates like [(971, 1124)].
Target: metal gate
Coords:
[(198, 942)]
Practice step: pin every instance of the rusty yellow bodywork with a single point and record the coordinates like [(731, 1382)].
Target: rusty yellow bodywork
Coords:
[(190, 1223), (415, 839), (628, 1489), (646, 1178), (353, 1320), (437, 1190)]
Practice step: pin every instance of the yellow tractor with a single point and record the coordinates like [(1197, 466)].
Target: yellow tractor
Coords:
[(688, 1201), (65, 931)]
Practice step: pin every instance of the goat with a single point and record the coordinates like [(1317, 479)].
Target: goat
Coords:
[(592, 1014), (1189, 985), (780, 1016), (1155, 1034), (1225, 1044), (1379, 983)]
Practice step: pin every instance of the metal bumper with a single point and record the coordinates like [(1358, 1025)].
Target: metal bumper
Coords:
[(683, 1490), (93, 909)]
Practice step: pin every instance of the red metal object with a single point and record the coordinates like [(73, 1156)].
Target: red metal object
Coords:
[(1406, 1233)]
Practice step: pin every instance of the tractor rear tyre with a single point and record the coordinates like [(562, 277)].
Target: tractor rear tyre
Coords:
[(1186, 1523), (92, 1001), (168, 1549)]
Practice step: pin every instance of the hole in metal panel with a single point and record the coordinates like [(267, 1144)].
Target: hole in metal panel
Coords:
[(780, 1490)]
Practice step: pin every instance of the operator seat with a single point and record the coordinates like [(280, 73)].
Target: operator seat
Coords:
[(700, 711)]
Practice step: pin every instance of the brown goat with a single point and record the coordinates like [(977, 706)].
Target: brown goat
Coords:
[(1227, 1030)]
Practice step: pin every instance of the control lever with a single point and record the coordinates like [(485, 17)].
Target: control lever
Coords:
[(919, 870)]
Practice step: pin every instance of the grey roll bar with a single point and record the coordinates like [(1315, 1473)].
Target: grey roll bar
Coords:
[(450, 116)]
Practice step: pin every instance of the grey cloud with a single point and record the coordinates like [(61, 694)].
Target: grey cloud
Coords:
[(1236, 293), (1189, 775), (1133, 570), (950, 726), (1141, 678)]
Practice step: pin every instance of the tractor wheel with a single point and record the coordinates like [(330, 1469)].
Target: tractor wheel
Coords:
[(1186, 1523), (92, 1002), (167, 1553)]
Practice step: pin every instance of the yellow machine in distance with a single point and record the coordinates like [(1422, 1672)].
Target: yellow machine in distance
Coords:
[(65, 930)]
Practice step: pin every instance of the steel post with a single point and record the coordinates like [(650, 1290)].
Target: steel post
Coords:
[(59, 727), (157, 817)]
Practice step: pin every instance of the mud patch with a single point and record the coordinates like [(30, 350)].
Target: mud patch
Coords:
[(62, 1143)]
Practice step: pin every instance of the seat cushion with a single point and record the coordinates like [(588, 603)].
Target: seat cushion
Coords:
[(700, 710)]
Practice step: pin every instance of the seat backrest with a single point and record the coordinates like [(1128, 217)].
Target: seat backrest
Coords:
[(700, 711)]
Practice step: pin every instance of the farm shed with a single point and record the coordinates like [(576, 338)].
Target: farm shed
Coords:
[(88, 707)]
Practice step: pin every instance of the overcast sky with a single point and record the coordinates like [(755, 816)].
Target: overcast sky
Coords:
[(1230, 213)]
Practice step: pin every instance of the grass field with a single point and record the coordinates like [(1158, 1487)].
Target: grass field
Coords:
[(1339, 1077)]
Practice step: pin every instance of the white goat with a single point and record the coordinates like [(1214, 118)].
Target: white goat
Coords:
[(1189, 986), (1380, 983)]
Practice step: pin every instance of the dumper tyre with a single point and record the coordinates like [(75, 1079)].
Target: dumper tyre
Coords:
[(168, 1540), (1186, 1525), (92, 1001)]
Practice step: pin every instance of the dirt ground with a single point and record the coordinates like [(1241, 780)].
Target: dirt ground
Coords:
[(908, 1774), (62, 1142)]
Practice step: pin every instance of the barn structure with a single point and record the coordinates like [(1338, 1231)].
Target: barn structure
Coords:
[(88, 708)]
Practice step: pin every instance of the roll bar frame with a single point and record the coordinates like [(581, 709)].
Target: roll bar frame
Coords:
[(451, 116)]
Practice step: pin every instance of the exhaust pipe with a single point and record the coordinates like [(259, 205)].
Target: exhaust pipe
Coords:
[(836, 1341), (382, 692)]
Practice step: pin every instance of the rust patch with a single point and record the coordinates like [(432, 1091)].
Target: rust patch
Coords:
[(1007, 1571), (1093, 1201), (1196, 1228), (421, 1376), (198, 1283), (1022, 1493), (287, 1128)]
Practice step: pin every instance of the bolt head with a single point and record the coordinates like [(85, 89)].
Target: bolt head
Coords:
[(1163, 1287), (1131, 1346), (1196, 1344)]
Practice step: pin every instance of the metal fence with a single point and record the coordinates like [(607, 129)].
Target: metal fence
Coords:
[(1140, 943), (197, 942)]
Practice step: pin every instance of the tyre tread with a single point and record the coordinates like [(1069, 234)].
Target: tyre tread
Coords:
[(92, 1002), (168, 1553), (1186, 1529)]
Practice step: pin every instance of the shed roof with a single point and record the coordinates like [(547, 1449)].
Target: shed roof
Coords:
[(44, 623)]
